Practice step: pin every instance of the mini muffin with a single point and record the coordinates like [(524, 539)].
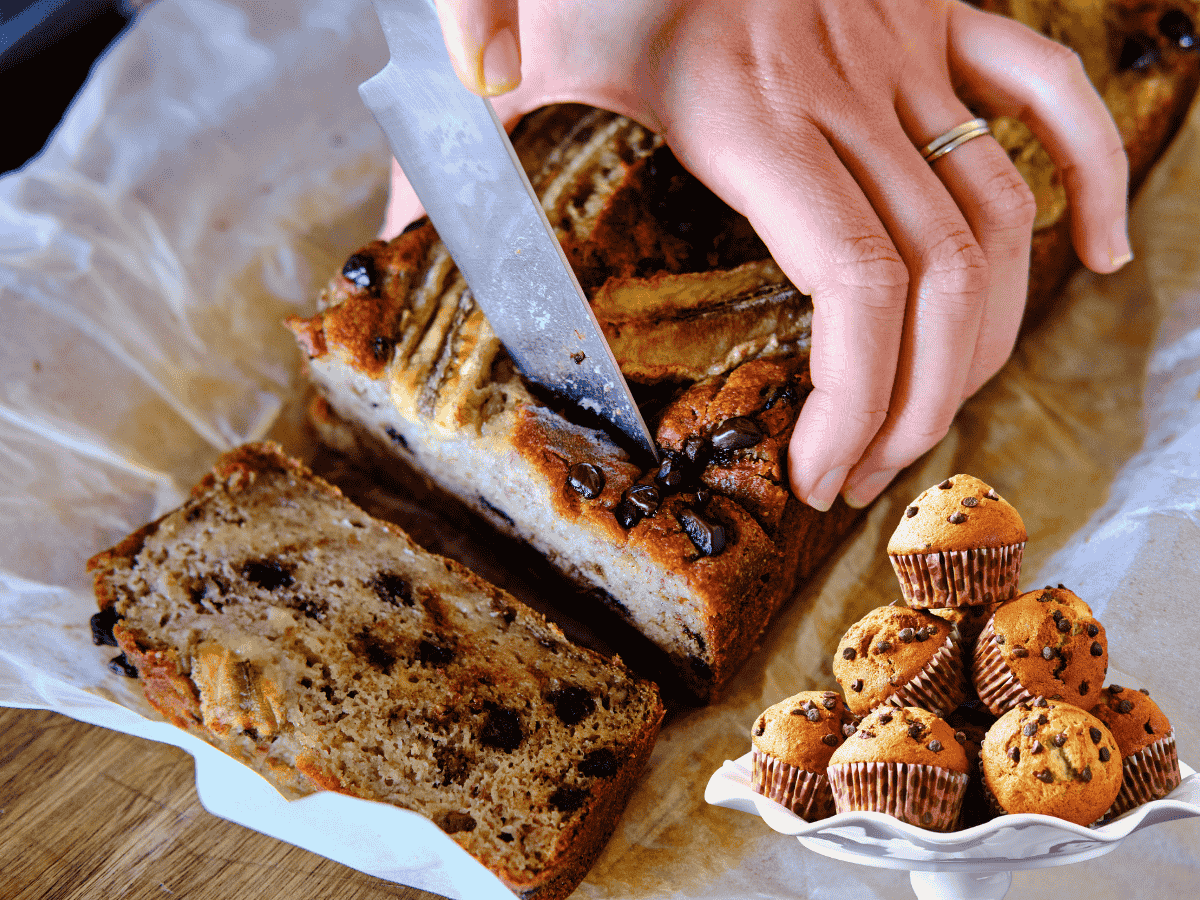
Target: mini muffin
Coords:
[(792, 742), (958, 544), (1050, 757), (905, 762), (1149, 761), (1043, 643), (902, 657)]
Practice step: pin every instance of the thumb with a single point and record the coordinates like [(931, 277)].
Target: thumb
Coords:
[(483, 39)]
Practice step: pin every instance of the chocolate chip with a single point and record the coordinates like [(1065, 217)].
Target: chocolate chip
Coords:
[(849, 653), (1097, 648), (857, 686), (1063, 625), (1045, 776), (1148, 727), (639, 501), (956, 518), (431, 654), (1036, 748), (1084, 687), (1095, 734), (1029, 729), (1086, 774), (586, 480), (1042, 720), (830, 703), (1060, 739), (1115, 689), (1093, 629), (502, 730), (506, 837), (1139, 52), (1176, 26), (671, 473), (455, 821), (935, 745), (921, 635), (785, 393), (813, 715), (1105, 754), (1014, 753), (1041, 702), (707, 537), (1049, 653), (1125, 706), (970, 501), (915, 730), (759, 727), (906, 635), (960, 737), (883, 647), (1143, 691), (359, 270), (848, 729), (911, 511), (992, 495), (865, 734), (392, 589), (736, 433), (102, 627), (268, 574), (120, 665), (946, 485), (1020, 652), (568, 799), (1000, 639), (600, 763), (572, 704), (885, 718)]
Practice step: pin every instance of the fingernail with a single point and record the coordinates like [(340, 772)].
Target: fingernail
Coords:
[(501, 63), (1120, 252), (867, 489), (827, 488)]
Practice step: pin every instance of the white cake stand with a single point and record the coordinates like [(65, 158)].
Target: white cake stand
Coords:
[(973, 864)]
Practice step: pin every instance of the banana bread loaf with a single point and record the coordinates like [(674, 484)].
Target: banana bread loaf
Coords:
[(277, 621)]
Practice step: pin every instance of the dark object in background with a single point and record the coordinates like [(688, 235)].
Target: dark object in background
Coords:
[(47, 48)]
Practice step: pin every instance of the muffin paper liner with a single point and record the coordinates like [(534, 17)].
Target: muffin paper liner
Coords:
[(940, 687), (805, 793), (994, 681), (926, 796), (959, 577), (1149, 774)]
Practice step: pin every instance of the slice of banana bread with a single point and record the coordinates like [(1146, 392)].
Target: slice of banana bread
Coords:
[(276, 620)]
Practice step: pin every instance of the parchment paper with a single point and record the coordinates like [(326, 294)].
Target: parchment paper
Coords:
[(215, 170)]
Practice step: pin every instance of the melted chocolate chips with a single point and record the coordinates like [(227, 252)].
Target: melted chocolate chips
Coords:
[(736, 433), (572, 704), (392, 589), (568, 799), (586, 480), (102, 627), (359, 270), (600, 763), (707, 537), (1138, 53), (640, 500), (1177, 27), (502, 730), (121, 665), (268, 574)]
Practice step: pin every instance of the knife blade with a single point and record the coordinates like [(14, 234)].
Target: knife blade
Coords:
[(459, 159)]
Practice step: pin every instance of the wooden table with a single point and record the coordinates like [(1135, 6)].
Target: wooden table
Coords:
[(90, 813)]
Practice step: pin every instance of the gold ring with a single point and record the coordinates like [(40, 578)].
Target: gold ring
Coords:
[(953, 138)]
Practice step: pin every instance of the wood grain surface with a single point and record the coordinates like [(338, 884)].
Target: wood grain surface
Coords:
[(88, 813)]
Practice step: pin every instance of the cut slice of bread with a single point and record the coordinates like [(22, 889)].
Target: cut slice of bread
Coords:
[(276, 620)]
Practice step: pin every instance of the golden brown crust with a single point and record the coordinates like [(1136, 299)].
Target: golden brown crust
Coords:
[(1133, 718), (803, 730), (1045, 756), (959, 513)]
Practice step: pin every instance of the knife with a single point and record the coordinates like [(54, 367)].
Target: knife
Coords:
[(459, 160)]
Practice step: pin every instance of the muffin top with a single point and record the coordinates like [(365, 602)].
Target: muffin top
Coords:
[(803, 730), (1052, 644), (1050, 757), (885, 649), (1133, 718), (961, 513), (903, 735)]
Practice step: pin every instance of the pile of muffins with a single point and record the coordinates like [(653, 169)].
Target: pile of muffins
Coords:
[(970, 701)]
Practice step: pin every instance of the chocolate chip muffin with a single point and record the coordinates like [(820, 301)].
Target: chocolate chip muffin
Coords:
[(901, 657), (1149, 761), (1044, 642), (958, 544), (1053, 758), (792, 742), (905, 762)]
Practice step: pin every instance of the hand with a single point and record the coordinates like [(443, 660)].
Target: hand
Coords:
[(806, 116)]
